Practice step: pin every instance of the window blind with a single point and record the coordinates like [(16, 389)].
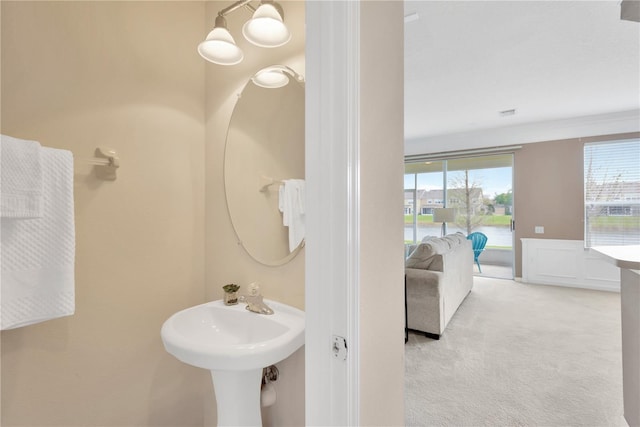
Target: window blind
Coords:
[(612, 193)]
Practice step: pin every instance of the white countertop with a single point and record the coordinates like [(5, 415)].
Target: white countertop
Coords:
[(621, 256)]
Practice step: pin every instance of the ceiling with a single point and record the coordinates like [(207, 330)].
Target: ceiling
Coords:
[(465, 61)]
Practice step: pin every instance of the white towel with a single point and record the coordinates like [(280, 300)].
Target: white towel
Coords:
[(20, 178), (291, 204), (37, 255)]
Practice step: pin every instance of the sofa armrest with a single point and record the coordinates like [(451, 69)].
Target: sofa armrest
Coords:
[(425, 300), (423, 282)]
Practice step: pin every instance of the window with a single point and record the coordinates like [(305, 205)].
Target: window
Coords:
[(612, 193)]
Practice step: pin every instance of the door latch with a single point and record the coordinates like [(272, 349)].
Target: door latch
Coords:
[(339, 348)]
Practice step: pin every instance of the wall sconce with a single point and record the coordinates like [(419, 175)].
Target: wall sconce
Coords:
[(444, 215), (265, 29)]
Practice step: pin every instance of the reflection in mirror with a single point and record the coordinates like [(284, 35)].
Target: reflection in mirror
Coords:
[(275, 76), (265, 151)]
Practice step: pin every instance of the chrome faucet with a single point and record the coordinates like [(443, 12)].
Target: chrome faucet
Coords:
[(255, 301)]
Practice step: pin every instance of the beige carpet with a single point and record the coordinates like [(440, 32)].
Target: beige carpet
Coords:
[(520, 355)]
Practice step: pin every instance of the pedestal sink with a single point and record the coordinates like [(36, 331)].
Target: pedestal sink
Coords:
[(234, 344)]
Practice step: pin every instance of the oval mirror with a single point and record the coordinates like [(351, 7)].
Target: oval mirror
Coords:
[(265, 151)]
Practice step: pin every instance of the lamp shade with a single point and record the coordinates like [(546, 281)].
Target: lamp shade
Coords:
[(219, 46), (266, 28), (444, 215)]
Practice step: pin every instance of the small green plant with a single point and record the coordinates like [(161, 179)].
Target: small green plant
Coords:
[(231, 287)]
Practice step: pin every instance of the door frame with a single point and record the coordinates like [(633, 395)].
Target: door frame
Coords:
[(332, 165)]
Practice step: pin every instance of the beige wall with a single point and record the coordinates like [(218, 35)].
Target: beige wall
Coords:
[(77, 75), (140, 239), (227, 261), (381, 241), (549, 190)]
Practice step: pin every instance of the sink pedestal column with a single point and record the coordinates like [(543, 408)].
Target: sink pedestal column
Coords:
[(238, 397)]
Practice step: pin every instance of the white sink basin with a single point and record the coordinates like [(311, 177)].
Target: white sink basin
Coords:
[(219, 337), (234, 344)]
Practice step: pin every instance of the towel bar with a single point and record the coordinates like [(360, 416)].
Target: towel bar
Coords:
[(266, 182), (109, 161)]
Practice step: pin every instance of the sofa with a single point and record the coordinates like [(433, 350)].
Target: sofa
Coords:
[(438, 277)]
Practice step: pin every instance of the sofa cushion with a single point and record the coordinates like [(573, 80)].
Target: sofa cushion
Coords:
[(423, 255), (455, 239)]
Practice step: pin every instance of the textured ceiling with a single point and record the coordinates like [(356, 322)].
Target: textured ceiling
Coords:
[(549, 60)]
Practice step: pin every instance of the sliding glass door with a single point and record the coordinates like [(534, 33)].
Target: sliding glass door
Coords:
[(479, 190)]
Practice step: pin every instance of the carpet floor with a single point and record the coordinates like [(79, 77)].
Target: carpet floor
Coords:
[(520, 355)]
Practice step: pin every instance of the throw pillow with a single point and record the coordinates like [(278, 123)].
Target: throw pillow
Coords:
[(421, 257)]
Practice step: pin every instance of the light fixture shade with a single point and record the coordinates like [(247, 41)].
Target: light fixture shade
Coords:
[(266, 28), (276, 76), (270, 78), (219, 46), (444, 215)]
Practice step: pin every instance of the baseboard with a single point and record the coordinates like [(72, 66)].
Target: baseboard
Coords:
[(587, 286)]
